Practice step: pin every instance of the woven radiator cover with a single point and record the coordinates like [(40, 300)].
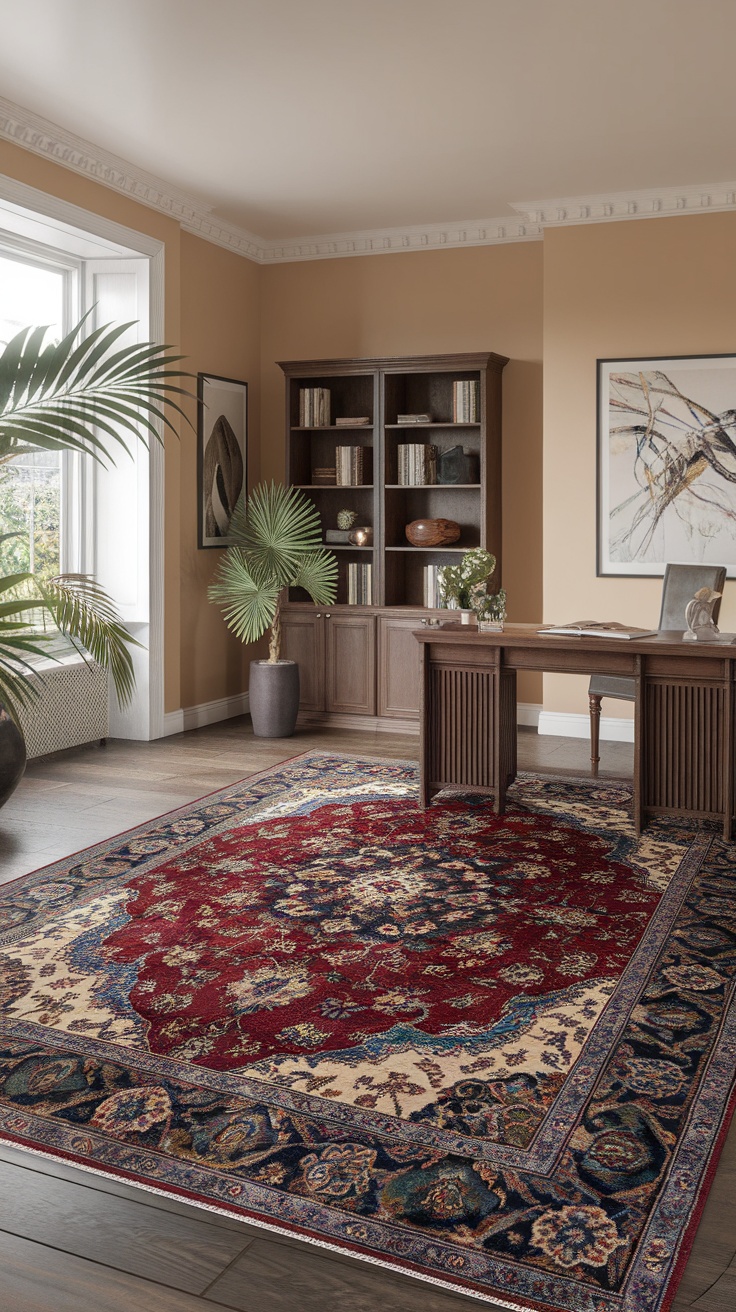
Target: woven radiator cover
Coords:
[(72, 708)]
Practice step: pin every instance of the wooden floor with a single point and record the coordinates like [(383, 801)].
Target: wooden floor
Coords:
[(71, 1240)]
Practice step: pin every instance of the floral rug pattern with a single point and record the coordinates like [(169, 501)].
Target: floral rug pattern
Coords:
[(496, 1051)]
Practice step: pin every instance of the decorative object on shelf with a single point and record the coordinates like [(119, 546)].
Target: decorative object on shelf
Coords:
[(414, 419), (358, 421), (417, 464), (277, 544), (361, 537), (346, 519), (463, 586), (314, 407), (222, 442), (457, 466), (59, 397), (432, 532), (667, 463), (465, 401), (337, 537), (325, 476), (701, 627)]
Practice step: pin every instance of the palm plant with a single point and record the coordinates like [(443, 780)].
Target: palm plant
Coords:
[(277, 544), (81, 394)]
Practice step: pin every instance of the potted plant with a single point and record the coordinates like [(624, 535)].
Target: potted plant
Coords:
[(277, 544), (78, 395), (464, 587)]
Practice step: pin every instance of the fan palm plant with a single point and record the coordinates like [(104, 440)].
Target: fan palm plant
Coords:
[(277, 544), (85, 394)]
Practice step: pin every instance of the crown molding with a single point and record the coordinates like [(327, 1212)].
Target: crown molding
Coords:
[(651, 203), (47, 139)]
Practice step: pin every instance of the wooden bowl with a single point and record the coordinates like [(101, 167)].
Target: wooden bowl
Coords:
[(432, 532)]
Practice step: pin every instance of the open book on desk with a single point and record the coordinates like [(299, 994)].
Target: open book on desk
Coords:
[(598, 629)]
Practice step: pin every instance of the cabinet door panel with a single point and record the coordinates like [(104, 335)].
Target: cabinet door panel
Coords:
[(351, 664), (398, 667), (303, 641)]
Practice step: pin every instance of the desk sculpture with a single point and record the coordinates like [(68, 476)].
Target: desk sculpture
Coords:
[(701, 627)]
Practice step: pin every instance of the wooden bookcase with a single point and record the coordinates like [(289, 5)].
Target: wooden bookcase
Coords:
[(362, 660)]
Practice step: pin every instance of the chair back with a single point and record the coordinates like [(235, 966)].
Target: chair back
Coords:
[(681, 582)]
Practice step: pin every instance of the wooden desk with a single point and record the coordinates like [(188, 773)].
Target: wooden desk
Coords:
[(684, 727)]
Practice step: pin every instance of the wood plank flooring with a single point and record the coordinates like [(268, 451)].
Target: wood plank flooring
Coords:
[(72, 1241)]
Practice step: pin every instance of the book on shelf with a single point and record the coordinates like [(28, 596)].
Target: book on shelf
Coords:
[(349, 466), (417, 464), (599, 629), (314, 407), (360, 585), (432, 596), (324, 476), (465, 401), (356, 421), (414, 419)]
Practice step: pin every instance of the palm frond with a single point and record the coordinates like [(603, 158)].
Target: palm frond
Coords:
[(64, 395), (274, 528), (248, 600), (318, 574), (84, 612)]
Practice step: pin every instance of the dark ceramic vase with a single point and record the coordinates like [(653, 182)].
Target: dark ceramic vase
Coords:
[(274, 698), (12, 755)]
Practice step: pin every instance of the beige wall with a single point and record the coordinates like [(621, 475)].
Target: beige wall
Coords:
[(212, 314), (480, 299), (650, 287), (220, 304)]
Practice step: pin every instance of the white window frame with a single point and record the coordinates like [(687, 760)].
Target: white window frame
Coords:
[(145, 718)]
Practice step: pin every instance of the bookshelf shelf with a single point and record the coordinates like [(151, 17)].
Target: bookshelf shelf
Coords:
[(362, 658), (435, 423)]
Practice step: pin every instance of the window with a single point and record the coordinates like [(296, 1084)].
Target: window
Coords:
[(32, 509)]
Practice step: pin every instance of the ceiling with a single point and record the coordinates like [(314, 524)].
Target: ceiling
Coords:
[(293, 118)]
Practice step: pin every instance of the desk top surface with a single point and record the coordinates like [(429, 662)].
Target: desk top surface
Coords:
[(528, 635)]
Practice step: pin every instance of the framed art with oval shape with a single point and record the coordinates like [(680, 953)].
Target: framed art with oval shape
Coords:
[(222, 455)]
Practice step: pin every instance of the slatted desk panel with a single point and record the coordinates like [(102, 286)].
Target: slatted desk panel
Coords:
[(684, 712)]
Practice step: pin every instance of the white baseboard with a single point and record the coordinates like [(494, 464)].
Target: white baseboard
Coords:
[(226, 708), (528, 713), (194, 717), (561, 725)]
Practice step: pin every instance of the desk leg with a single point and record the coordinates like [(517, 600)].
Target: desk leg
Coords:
[(424, 711), (639, 774)]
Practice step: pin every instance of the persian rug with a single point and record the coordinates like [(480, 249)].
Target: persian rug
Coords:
[(496, 1052)]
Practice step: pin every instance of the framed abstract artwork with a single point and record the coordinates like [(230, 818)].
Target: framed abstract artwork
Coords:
[(222, 455), (666, 464)]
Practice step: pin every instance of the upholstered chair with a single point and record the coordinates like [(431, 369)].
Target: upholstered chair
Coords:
[(680, 584)]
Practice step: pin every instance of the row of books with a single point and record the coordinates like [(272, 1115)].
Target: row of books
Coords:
[(349, 466), (414, 419), (314, 407), (432, 596), (360, 585), (417, 464), (465, 401)]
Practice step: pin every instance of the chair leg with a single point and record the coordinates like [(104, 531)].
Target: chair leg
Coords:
[(594, 702)]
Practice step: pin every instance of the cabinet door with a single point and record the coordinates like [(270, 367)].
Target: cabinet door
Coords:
[(398, 666), (303, 641), (351, 664)]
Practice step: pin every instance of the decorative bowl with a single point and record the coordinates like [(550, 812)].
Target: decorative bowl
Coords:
[(432, 532), (361, 537)]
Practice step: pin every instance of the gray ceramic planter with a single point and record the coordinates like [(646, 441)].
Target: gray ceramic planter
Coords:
[(274, 698), (12, 755)]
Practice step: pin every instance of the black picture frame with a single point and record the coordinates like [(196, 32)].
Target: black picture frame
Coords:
[(665, 463), (222, 455)]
